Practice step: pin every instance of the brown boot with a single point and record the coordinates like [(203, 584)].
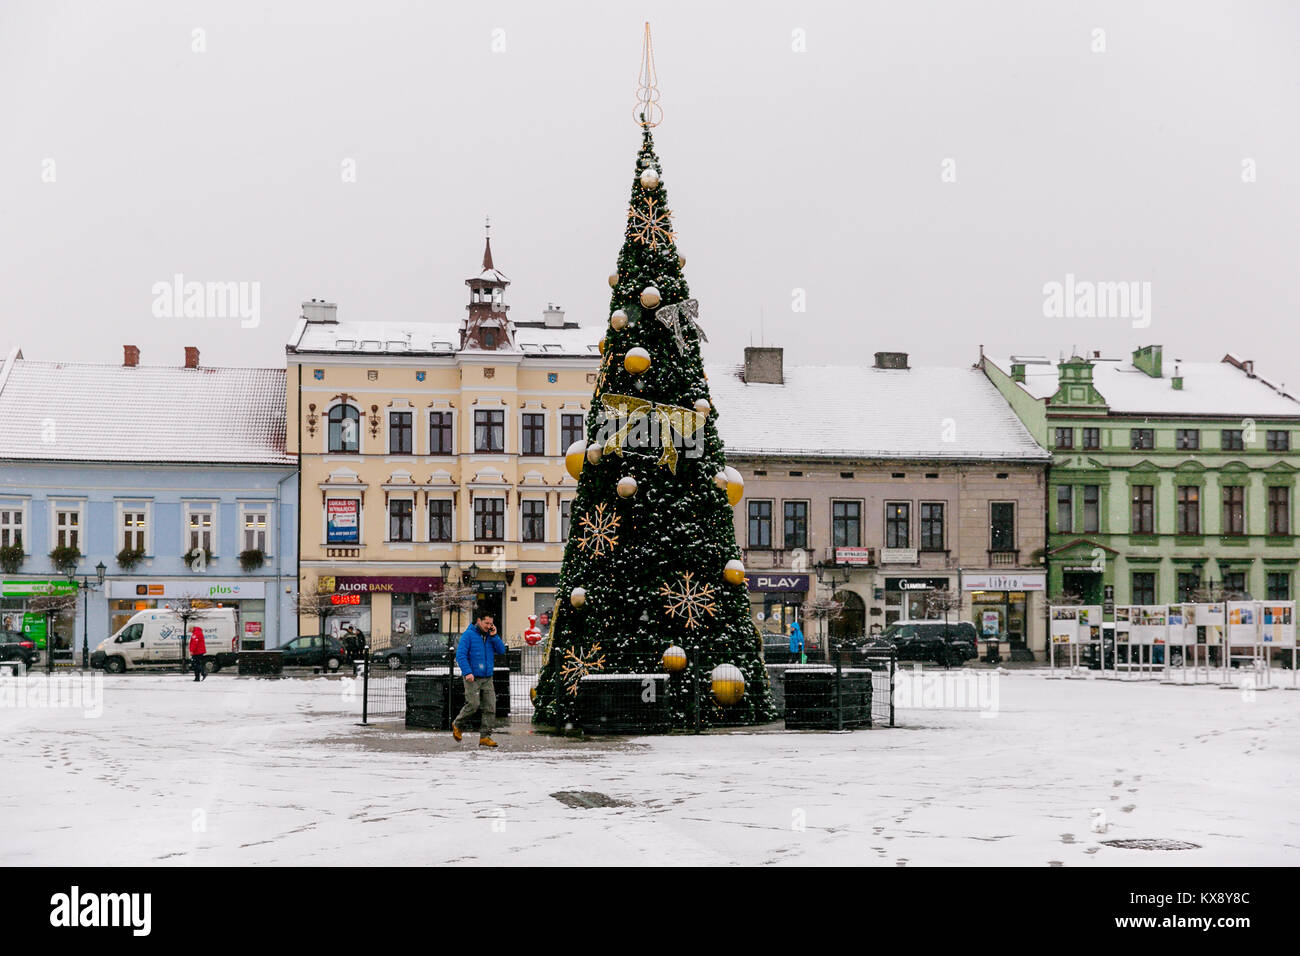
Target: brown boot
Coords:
[(455, 732), (487, 742)]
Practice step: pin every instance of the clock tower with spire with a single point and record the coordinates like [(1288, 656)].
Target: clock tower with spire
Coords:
[(487, 324)]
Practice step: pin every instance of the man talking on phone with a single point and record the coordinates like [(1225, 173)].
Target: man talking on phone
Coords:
[(475, 653)]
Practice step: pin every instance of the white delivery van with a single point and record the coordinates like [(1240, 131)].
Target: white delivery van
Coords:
[(153, 639)]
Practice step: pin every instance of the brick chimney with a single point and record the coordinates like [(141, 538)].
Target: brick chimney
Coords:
[(191, 357), (764, 365), (130, 356), (896, 360)]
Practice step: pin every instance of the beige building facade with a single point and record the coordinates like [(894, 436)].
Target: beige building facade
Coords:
[(884, 487), (434, 452)]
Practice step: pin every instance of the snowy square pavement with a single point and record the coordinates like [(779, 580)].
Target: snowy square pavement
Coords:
[(240, 772)]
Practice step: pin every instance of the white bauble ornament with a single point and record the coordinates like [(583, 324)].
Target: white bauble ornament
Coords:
[(578, 597), (626, 486), (618, 320), (650, 297), (649, 178), (735, 485), (720, 479), (594, 451), (636, 360), (734, 571), (703, 406)]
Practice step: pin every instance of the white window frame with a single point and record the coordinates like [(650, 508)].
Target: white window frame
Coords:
[(189, 510), (440, 408), (560, 536), (19, 507), (495, 405), (361, 431), (388, 519), (534, 408), (505, 518), (401, 406), (134, 507), (247, 508), (428, 520), (546, 537)]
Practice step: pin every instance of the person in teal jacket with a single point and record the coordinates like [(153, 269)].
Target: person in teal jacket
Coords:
[(475, 654), (796, 642)]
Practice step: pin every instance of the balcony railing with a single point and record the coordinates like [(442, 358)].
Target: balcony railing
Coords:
[(1004, 559)]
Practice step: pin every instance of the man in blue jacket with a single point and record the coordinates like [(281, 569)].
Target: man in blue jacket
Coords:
[(475, 654)]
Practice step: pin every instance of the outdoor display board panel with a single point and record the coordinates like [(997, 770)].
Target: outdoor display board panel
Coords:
[(1277, 623), (1243, 623)]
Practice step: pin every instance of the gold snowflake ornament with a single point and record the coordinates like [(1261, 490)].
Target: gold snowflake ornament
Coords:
[(599, 531), (652, 227), (578, 665), (690, 600)]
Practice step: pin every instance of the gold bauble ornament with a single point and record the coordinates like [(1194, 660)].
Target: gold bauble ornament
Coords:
[(578, 597), (734, 572), (674, 659), (618, 321), (601, 345), (650, 297), (649, 178), (681, 262), (626, 486), (636, 361), (613, 280), (574, 457), (735, 485), (593, 452), (728, 684)]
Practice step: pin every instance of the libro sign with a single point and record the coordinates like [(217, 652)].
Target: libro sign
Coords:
[(1033, 581)]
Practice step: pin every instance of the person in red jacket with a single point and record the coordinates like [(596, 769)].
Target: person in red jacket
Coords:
[(198, 649)]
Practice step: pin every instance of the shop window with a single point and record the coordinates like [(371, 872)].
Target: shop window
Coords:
[(440, 433)]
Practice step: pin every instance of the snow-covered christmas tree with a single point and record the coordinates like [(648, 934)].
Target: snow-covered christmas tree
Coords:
[(652, 571)]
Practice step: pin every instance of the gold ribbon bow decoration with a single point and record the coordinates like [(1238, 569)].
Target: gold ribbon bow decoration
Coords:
[(669, 418)]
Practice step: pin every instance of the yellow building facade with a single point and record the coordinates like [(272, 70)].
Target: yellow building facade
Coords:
[(434, 451)]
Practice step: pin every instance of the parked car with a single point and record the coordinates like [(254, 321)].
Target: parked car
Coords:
[(419, 650), (153, 638), (15, 646), (948, 644), (305, 651)]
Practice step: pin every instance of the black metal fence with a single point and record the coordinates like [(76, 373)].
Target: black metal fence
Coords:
[(847, 693)]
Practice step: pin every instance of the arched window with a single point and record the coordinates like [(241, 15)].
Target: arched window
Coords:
[(345, 429)]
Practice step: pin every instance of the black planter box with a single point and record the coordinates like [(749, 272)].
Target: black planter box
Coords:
[(254, 663), (811, 700), (426, 699), (624, 704)]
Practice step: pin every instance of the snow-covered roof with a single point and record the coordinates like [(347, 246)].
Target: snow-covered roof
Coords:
[(69, 411), (1209, 388), (853, 411), (436, 338)]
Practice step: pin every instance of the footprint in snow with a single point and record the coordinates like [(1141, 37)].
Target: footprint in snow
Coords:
[(1067, 837)]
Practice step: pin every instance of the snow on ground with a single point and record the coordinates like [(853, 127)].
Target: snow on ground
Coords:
[(238, 772)]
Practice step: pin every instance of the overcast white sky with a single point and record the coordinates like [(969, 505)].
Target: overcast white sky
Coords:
[(818, 171)]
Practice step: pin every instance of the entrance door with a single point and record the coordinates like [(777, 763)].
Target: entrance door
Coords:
[(489, 602), (852, 622)]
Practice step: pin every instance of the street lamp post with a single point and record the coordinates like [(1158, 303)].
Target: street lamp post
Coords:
[(86, 588), (445, 568), (829, 575)]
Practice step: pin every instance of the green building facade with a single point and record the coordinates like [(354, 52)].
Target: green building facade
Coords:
[(1168, 482)]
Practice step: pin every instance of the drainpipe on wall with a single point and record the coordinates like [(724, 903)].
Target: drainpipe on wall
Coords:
[(279, 557)]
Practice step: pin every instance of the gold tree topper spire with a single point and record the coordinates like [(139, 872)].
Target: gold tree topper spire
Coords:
[(647, 112)]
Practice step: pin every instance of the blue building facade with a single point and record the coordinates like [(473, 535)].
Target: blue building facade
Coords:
[(175, 480)]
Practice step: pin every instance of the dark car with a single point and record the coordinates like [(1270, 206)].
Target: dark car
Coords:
[(948, 644), (419, 650), (306, 651), (16, 646)]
